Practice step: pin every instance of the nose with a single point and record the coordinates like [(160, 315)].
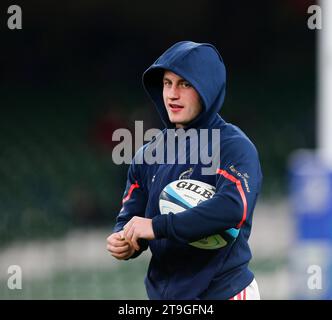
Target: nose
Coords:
[(173, 92)]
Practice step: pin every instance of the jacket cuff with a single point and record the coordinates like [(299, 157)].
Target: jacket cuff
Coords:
[(159, 226)]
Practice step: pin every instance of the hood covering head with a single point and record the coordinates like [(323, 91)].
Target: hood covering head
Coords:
[(198, 63)]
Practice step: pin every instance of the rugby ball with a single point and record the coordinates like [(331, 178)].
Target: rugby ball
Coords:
[(184, 194)]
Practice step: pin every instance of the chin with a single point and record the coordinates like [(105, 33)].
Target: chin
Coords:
[(176, 120)]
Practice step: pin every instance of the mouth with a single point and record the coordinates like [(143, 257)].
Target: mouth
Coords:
[(175, 107)]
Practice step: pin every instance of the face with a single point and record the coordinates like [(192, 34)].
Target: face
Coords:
[(182, 101)]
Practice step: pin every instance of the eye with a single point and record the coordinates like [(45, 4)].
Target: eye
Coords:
[(186, 84), (167, 83)]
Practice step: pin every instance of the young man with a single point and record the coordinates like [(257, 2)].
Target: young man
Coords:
[(187, 85)]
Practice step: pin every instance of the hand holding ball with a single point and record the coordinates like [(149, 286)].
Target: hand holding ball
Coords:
[(180, 195)]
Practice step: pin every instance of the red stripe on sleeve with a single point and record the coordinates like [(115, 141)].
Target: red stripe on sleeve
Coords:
[(131, 189), (242, 194)]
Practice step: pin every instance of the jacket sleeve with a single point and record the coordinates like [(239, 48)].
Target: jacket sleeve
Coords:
[(133, 202), (238, 183)]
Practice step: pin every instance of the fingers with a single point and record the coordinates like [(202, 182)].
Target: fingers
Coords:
[(131, 235), (128, 232), (123, 255), (115, 244), (113, 237), (127, 239), (121, 234), (116, 240), (118, 243), (127, 227), (134, 242), (119, 246), (122, 252), (116, 237), (115, 249)]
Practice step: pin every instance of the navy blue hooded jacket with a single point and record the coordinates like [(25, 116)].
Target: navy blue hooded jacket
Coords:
[(178, 270)]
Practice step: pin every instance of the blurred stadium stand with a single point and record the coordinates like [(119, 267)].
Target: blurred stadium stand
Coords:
[(53, 175)]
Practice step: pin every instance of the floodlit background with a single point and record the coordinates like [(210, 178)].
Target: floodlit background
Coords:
[(72, 76)]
